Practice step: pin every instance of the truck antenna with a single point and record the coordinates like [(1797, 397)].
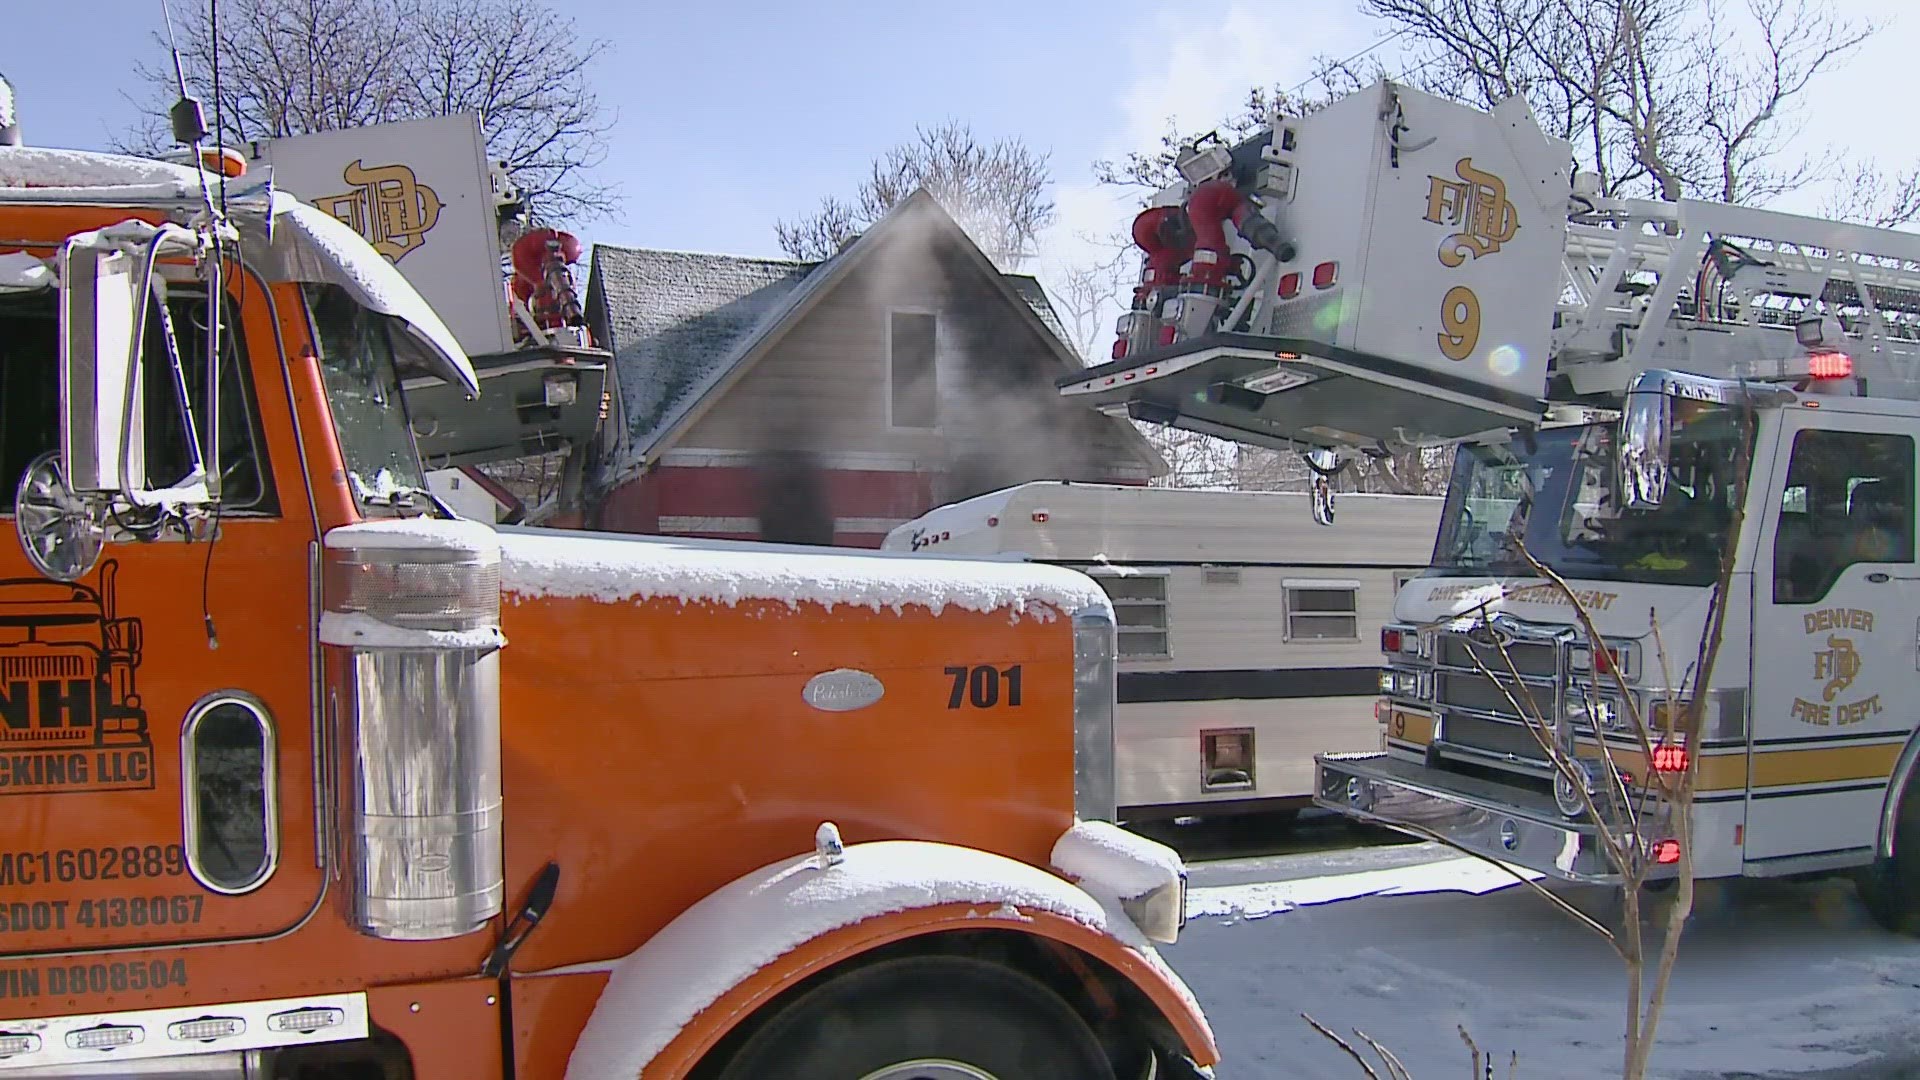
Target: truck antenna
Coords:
[(190, 129)]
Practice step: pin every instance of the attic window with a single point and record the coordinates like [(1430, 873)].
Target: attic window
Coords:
[(913, 400)]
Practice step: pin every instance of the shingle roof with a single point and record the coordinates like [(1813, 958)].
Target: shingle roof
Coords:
[(1029, 289), (680, 322), (678, 319)]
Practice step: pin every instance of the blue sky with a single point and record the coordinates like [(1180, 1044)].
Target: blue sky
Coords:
[(731, 115)]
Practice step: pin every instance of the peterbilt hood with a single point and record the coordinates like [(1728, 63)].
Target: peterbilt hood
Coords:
[(1618, 609), (622, 568)]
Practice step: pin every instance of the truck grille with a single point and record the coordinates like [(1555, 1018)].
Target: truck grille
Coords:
[(1460, 694), (1481, 694), (30, 668), (1528, 658), (1493, 736)]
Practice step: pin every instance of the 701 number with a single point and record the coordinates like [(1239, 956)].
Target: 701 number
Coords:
[(979, 686)]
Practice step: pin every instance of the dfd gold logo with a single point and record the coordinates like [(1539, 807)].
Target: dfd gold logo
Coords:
[(1838, 663), (1836, 667), (1478, 206), (387, 205)]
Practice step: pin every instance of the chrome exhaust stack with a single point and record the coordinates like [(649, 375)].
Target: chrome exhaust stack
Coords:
[(411, 626)]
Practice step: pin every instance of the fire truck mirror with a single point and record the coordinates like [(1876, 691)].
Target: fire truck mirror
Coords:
[(101, 438), (1322, 465), (1646, 429)]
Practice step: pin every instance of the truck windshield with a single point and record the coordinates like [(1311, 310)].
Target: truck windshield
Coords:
[(1558, 496), (363, 391)]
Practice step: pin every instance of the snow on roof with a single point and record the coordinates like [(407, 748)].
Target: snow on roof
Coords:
[(77, 170), (615, 568), (678, 321)]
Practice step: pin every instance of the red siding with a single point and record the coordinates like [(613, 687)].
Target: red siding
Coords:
[(724, 491), (718, 491), (727, 491)]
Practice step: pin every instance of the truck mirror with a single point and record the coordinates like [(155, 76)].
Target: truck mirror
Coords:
[(60, 532), (102, 448), (1321, 465), (1646, 429)]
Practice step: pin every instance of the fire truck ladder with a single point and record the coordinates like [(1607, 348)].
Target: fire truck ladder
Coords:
[(1731, 291)]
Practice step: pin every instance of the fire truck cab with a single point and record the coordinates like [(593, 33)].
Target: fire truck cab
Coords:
[(404, 795), (1623, 380)]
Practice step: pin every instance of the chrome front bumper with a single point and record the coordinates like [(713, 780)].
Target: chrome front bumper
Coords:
[(1513, 826)]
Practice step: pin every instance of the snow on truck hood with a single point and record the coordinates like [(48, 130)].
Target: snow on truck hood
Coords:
[(617, 567)]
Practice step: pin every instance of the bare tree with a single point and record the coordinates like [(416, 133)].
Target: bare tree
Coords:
[(1420, 471), (1154, 169), (1677, 98), (1869, 195), (294, 67), (1085, 292), (997, 192)]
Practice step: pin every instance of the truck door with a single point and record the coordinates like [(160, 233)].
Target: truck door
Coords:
[(155, 778), (1834, 660)]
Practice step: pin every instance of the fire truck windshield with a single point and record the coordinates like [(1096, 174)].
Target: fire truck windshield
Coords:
[(363, 391), (1558, 497)]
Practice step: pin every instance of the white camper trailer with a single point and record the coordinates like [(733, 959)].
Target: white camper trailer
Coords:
[(1249, 636)]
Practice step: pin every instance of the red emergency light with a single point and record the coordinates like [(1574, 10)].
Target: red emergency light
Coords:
[(1325, 274), (1389, 640), (1830, 365), (1666, 852), (1669, 759), (1290, 285)]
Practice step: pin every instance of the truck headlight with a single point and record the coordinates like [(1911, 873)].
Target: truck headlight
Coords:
[(1093, 706)]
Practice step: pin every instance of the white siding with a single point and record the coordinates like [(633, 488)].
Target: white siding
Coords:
[(1228, 627)]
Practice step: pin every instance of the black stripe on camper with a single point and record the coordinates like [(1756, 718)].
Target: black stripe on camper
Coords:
[(1249, 684)]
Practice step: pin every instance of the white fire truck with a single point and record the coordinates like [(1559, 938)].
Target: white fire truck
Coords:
[(1401, 271)]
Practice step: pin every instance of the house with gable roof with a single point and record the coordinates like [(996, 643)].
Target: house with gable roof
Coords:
[(768, 399)]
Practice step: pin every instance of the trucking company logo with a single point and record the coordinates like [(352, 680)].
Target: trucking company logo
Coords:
[(1836, 664), (1477, 205), (70, 715), (387, 206)]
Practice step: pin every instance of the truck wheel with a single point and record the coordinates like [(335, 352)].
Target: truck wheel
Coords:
[(924, 1018), (1890, 888)]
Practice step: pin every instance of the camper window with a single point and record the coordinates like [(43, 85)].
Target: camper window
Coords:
[(1323, 611), (1139, 612)]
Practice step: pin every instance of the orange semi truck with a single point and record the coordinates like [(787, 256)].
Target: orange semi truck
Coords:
[(404, 795)]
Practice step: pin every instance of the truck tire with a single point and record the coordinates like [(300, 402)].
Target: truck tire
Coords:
[(924, 1018), (1890, 888)]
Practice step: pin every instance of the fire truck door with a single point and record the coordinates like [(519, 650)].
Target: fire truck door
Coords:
[(156, 779), (1836, 598)]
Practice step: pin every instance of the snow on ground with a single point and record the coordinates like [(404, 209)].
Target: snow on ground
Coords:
[(1775, 979)]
